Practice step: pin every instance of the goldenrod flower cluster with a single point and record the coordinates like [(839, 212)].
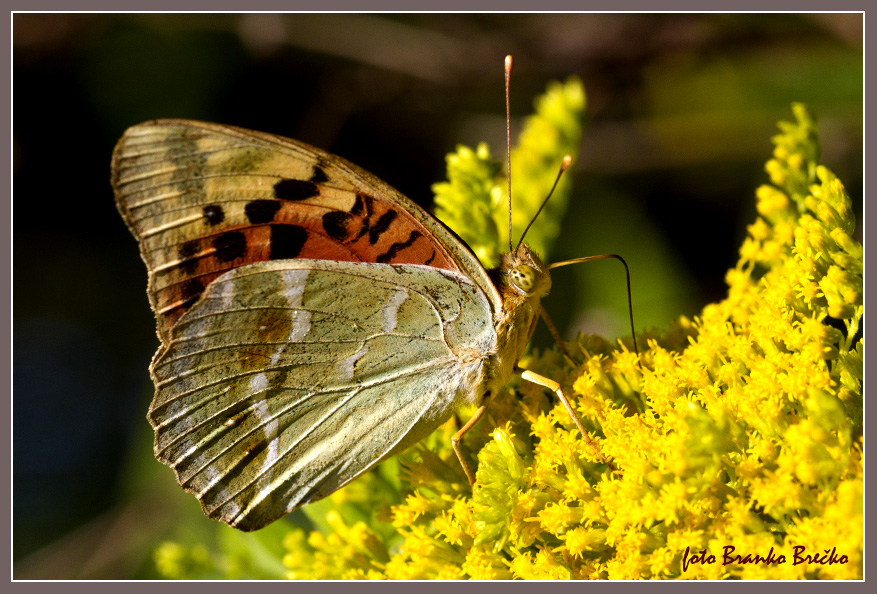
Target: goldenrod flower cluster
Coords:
[(735, 438)]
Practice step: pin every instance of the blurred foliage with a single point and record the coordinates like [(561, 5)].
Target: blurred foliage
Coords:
[(679, 107), (475, 204)]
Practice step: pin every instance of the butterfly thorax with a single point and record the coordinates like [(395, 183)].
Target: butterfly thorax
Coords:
[(522, 280)]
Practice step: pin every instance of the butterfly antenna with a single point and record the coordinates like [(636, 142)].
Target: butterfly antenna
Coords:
[(564, 165), (556, 335), (508, 139), (626, 271)]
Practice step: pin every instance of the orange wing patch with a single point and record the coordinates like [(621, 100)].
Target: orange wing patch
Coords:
[(202, 202)]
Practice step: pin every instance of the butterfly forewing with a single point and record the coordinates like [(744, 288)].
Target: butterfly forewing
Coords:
[(203, 199), (288, 379)]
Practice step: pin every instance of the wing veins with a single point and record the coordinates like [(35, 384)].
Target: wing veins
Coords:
[(376, 382)]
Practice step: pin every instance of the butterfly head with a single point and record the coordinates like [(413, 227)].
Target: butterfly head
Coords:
[(524, 275)]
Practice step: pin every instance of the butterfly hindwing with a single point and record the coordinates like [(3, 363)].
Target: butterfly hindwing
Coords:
[(288, 379), (204, 198)]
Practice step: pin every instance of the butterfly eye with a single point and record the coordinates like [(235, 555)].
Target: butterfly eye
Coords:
[(523, 277)]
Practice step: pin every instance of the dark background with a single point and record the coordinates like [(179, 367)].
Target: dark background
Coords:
[(681, 110)]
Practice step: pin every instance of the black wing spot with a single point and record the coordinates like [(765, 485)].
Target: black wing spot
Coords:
[(213, 214), (295, 189), (382, 224), (335, 224), (229, 246), (287, 241), (190, 291), (261, 211), (187, 254), (363, 206), (359, 206), (398, 247), (318, 176)]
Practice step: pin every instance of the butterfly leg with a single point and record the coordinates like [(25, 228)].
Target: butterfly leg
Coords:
[(555, 387), (455, 440)]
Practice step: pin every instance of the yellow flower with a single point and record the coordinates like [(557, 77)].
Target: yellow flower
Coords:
[(541, 566), (740, 427)]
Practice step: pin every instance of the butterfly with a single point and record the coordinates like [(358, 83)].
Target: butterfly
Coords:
[(312, 320)]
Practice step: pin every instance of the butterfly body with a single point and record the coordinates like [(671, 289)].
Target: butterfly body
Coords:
[(313, 321)]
